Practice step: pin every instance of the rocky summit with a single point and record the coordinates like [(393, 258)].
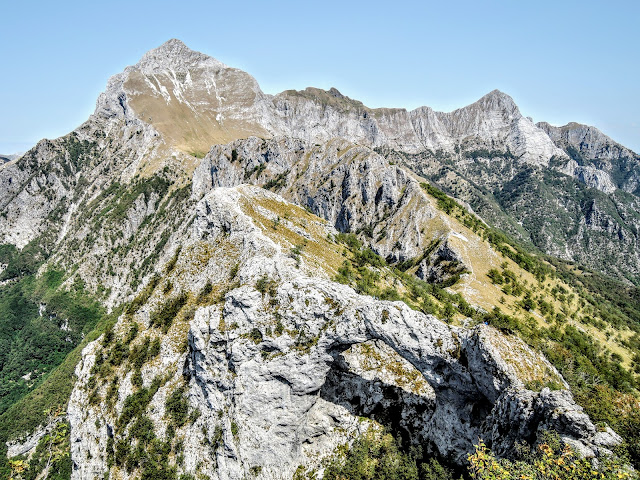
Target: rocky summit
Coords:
[(207, 281)]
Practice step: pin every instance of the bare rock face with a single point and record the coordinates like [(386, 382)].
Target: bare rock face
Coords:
[(349, 185), (590, 142), (25, 185), (283, 375), (192, 99), (597, 160), (195, 101), (442, 264), (590, 176), (495, 121)]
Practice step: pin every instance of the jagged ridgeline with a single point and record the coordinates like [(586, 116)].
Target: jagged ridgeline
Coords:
[(205, 281)]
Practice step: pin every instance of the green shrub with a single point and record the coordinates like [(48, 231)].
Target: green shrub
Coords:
[(255, 335), (380, 456), (163, 317), (549, 461), (171, 264), (136, 403), (143, 296), (205, 292), (266, 285), (177, 407)]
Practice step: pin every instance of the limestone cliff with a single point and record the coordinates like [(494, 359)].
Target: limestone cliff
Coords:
[(281, 364)]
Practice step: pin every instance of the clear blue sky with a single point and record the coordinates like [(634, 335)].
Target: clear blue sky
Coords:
[(560, 60)]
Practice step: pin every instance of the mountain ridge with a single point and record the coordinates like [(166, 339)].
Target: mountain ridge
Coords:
[(257, 251), (173, 105), (275, 119)]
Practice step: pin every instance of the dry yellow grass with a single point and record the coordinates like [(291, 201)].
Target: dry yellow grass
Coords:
[(284, 222), (526, 364), (195, 122)]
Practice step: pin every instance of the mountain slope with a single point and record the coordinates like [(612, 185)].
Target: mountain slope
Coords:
[(545, 208), (199, 102), (266, 347), (280, 320)]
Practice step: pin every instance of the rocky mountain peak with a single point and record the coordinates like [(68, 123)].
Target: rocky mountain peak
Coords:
[(255, 338), (184, 99), (333, 91), (174, 54), (497, 101), (586, 140)]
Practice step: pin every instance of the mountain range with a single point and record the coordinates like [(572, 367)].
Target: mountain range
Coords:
[(204, 280)]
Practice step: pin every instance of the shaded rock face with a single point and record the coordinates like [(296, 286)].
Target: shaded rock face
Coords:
[(283, 376), (349, 185), (442, 264), (597, 160)]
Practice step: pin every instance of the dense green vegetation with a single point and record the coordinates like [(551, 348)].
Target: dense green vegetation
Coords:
[(51, 395), (278, 182), (51, 454), (177, 407), (138, 447), (79, 153), (40, 323), (484, 153), (43, 327), (378, 455), (550, 460)]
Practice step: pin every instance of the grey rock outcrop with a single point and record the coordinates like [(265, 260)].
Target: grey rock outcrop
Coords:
[(590, 176), (281, 376), (349, 185), (441, 264), (590, 142), (597, 160), (356, 190)]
